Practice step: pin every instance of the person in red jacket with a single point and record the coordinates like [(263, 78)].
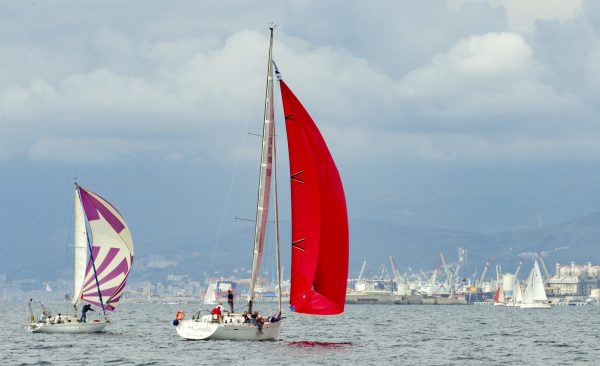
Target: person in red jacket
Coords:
[(217, 311)]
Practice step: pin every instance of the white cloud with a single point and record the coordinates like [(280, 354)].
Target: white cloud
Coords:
[(212, 88), (487, 64)]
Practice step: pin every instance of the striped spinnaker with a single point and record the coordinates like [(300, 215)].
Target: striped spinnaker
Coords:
[(112, 252)]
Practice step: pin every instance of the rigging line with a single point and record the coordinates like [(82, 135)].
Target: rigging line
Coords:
[(243, 142), (226, 206)]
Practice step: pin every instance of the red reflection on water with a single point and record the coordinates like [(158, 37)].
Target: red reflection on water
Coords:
[(319, 344)]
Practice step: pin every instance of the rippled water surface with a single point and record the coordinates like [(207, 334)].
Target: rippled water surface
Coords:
[(142, 334)]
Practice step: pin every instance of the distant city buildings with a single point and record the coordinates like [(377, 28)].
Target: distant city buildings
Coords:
[(574, 280)]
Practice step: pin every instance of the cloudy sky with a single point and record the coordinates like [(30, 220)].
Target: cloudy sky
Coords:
[(465, 114)]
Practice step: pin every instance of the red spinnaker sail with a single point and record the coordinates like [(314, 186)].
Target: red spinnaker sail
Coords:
[(319, 218)]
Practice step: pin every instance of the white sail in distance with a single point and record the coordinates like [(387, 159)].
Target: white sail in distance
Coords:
[(210, 297), (528, 295), (539, 293)]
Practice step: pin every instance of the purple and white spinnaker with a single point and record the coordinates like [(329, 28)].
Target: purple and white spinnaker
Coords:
[(112, 252)]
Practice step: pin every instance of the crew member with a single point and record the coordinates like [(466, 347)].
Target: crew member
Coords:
[(86, 308), (230, 300)]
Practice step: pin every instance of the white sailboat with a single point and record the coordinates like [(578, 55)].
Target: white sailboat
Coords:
[(517, 295), (100, 278), (535, 294), (319, 228), (210, 298)]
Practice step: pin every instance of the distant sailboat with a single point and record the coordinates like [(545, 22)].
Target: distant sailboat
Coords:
[(210, 298), (319, 226), (535, 294), (100, 278), (499, 297), (517, 295)]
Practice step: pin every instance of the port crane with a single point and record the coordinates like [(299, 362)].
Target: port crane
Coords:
[(518, 268), (546, 273), (461, 261), (449, 275), (397, 276), (479, 283), (362, 271)]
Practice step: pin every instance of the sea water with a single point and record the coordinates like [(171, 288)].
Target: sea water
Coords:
[(143, 334)]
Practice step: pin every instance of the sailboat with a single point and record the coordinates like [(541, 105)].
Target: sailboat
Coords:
[(103, 259), (517, 298), (535, 294), (210, 298), (319, 227), (499, 297)]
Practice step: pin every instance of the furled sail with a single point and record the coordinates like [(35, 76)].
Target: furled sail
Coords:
[(319, 218), (112, 252)]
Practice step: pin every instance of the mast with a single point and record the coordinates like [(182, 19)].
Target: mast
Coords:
[(264, 181)]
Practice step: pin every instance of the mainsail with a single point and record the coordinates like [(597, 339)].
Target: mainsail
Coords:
[(112, 252), (81, 248), (319, 217), (264, 182), (539, 293), (210, 297)]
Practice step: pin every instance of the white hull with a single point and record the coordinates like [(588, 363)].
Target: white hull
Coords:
[(536, 306), (232, 328), (73, 327)]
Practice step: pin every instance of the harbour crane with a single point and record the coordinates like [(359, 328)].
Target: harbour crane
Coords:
[(485, 268), (449, 276), (518, 268), (544, 267), (433, 277), (397, 276), (424, 279), (461, 261), (362, 271)]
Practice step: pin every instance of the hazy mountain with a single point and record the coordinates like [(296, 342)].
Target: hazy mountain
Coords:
[(371, 240)]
